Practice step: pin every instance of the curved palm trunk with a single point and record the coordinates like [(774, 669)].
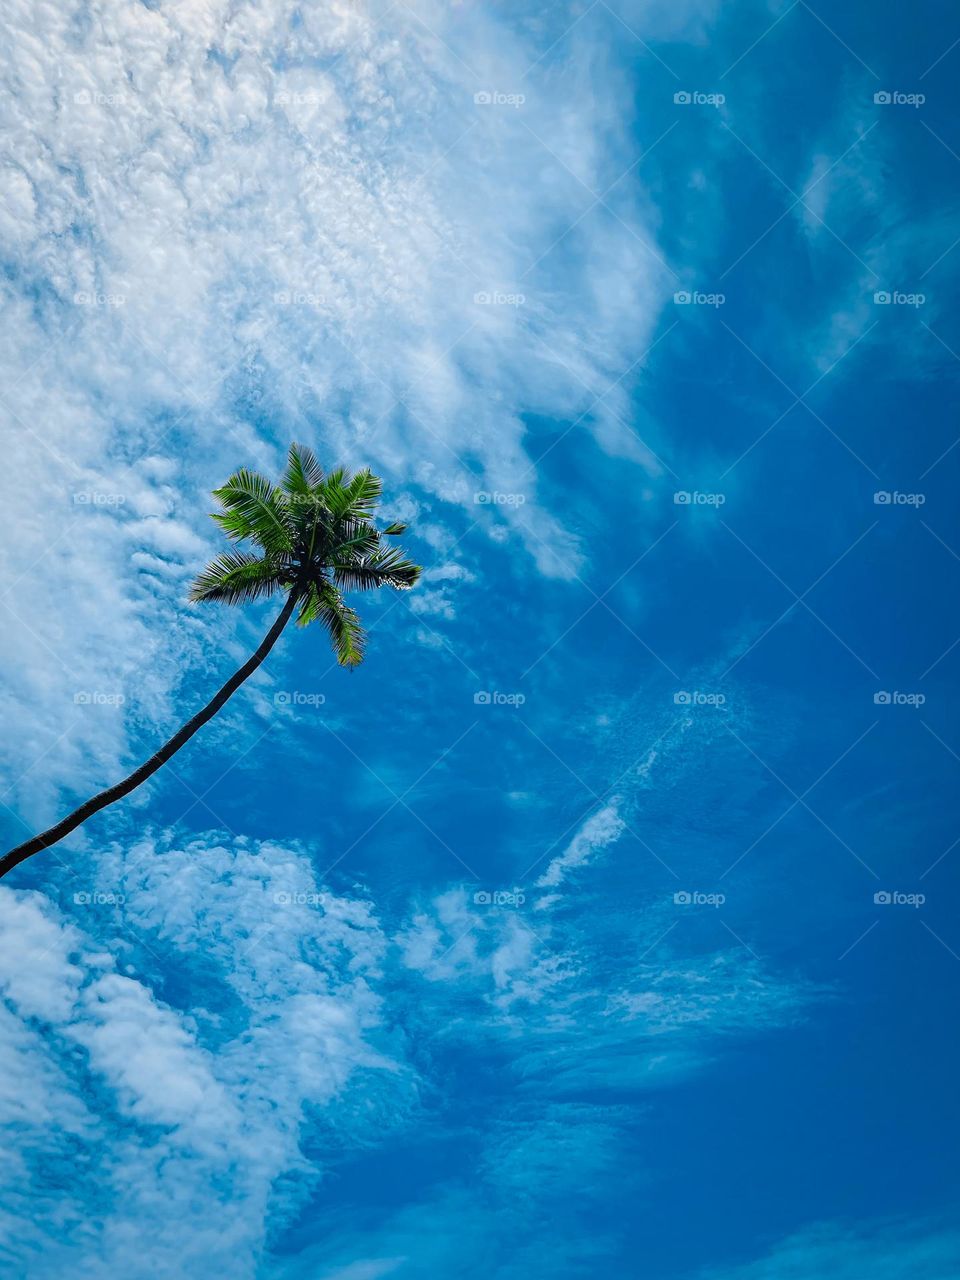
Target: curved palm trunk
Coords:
[(169, 748)]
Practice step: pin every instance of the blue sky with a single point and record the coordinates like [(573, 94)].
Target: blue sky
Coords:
[(603, 923)]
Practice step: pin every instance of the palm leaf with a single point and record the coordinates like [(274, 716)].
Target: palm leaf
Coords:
[(355, 538), (334, 493), (304, 473), (317, 535), (341, 622), (235, 577), (354, 497), (363, 493), (386, 567), (254, 508)]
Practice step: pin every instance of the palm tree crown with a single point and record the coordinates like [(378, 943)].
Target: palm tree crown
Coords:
[(315, 537)]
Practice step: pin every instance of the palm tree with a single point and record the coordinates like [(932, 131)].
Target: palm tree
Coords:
[(315, 537)]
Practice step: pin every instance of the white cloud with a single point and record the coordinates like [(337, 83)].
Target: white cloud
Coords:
[(601, 829), (184, 1043), (723, 991), (869, 236), (182, 1115), (233, 225), (883, 1250), (455, 937)]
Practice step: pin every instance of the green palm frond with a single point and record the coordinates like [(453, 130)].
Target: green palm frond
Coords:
[(309, 604), (386, 567), (326, 605), (334, 492), (355, 538), (235, 577), (254, 508), (317, 537), (364, 492), (352, 497), (303, 474)]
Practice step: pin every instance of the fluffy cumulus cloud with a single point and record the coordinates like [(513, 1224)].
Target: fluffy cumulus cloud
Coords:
[(186, 1034), (176, 1103), (231, 225)]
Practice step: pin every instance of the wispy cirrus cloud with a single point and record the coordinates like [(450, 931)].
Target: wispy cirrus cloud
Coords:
[(885, 1249)]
